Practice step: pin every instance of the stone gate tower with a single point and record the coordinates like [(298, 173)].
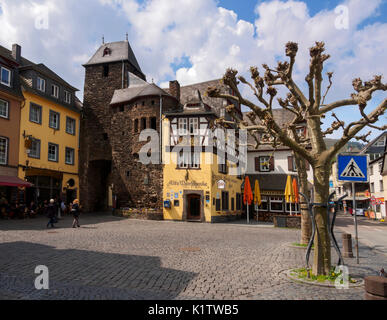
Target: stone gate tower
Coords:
[(118, 104)]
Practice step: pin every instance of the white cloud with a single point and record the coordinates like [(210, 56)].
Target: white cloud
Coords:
[(165, 33)]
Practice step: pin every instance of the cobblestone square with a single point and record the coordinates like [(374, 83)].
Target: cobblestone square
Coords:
[(115, 258)]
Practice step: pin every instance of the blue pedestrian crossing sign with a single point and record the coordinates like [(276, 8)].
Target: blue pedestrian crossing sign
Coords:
[(352, 168)]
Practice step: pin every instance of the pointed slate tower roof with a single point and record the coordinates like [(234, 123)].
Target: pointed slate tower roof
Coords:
[(114, 52)]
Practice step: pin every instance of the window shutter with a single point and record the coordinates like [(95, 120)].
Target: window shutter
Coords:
[(290, 163), (257, 167), (307, 165), (272, 164)]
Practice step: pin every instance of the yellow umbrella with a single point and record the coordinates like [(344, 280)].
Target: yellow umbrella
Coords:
[(289, 195), (257, 193)]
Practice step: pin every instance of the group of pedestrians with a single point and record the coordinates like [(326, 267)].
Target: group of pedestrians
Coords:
[(52, 213)]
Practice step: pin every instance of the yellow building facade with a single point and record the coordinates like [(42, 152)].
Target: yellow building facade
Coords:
[(195, 186), (49, 148)]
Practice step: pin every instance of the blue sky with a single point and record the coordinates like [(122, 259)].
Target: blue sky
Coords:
[(196, 40)]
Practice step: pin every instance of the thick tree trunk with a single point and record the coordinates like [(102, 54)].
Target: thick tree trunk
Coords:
[(322, 245), (306, 224)]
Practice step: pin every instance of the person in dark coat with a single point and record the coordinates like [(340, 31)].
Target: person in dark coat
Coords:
[(75, 212), (51, 213)]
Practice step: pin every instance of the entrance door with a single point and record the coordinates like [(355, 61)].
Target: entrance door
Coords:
[(193, 207)]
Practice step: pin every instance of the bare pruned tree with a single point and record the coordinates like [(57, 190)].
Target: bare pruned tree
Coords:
[(309, 106)]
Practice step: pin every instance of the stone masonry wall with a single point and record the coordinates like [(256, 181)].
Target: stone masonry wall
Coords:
[(133, 192), (95, 143)]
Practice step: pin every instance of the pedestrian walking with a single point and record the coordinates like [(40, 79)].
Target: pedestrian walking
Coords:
[(75, 212), (51, 213)]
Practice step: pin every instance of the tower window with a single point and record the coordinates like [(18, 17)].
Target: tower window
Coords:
[(136, 125), (105, 136), (143, 103), (105, 71), (153, 102), (121, 108), (153, 123), (143, 123)]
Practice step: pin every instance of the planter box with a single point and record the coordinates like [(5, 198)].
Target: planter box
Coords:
[(287, 221)]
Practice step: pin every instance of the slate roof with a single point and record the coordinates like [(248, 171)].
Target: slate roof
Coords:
[(120, 51), (370, 148), (26, 64), (137, 88), (281, 116), (7, 59), (272, 182)]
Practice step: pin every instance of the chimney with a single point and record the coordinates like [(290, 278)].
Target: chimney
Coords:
[(174, 89), (16, 52)]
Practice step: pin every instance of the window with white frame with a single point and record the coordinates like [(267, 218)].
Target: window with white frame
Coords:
[(193, 126), (4, 109), (182, 126), (187, 159), (35, 113), (381, 142), (5, 76), (54, 120), (264, 164), (34, 151), (67, 96), (70, 125), (3, 150), (264, 204), (69, 156), (183, 159), (53, 150), (276, 204), (380, 164), (55, 91), (295, 207), (381, 185), (371, 170), (372, 187), (41, 84)]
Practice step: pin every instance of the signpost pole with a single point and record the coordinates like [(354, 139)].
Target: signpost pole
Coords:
[(356, 234), (248, 218)]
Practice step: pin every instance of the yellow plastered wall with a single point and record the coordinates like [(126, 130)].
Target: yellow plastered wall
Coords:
[(46, 134), (233, 186), (205, 179)]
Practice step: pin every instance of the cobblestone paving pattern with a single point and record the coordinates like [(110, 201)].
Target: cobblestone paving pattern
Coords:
[(114, 258)]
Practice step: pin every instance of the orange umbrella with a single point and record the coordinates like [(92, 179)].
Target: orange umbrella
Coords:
[(247, 196), (247, 193), (295, 191)]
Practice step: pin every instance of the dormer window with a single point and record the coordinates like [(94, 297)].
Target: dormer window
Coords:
[(67, 97), (55, 91), (5, 76), (107, 52), (41, 84)]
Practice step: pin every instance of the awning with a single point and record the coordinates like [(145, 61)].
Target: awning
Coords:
[(10, 181)]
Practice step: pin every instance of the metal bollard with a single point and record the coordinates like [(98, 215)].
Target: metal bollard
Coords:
[(347, 246)]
